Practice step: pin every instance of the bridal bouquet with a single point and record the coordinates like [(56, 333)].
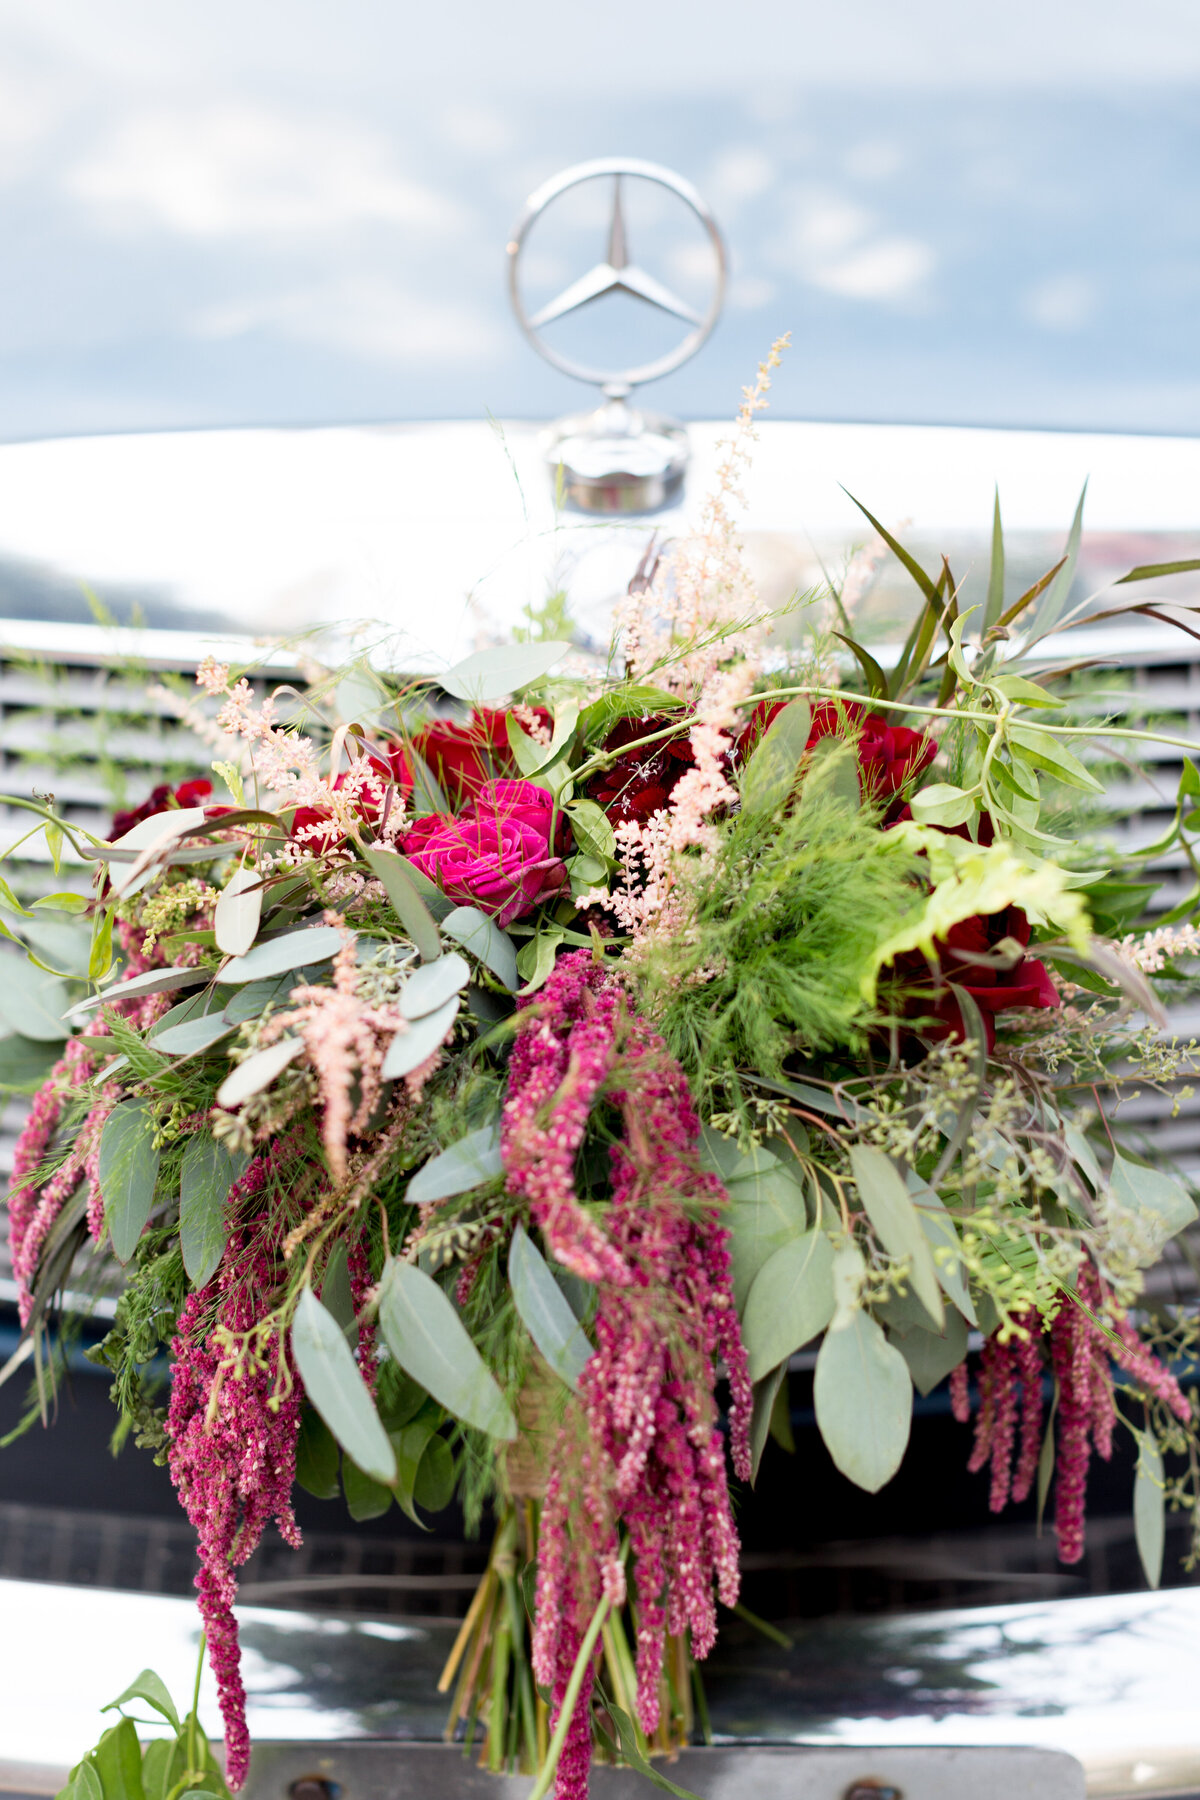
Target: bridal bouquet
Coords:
[(494, 1089)]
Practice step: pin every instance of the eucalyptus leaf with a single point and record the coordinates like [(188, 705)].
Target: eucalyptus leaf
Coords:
[(790, 1301), (208, 1171), (25, 1062), (766, 1393), (771, 772), (491, 674), (238, 912), (429, 1340), (544, 1310), (257, 1072), (1147, 1207), (863, 1396), (942, 1233), (891, 1212), (408, 1049), (336, 1388), (154, 981), (766, 1210), (407, 903), (931, 1357), (1149, 1507), (314, 944), (32, 1002), (430, 986), (128, 1173), (150, 837), (192, 1035), (252, 1001), (485, 941), (435, 902), (465, 1165)]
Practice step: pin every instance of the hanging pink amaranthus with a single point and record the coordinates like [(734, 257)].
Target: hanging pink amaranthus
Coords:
[(232, 1452), (653, 1460), (33, 1210), (1081, 1355)]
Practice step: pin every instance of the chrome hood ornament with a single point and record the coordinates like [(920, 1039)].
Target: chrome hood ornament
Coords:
[(617, 459)]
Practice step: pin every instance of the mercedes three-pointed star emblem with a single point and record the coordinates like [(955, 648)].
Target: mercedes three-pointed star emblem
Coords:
[(617, 273)]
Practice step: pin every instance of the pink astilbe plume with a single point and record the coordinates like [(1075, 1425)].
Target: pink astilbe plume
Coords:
[(653, 1457), (344, 1037), (232, 1438)]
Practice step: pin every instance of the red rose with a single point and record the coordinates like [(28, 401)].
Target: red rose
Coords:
[(496, 855), (188, 793), (889, 756), (384, 769), (994, 990), (464, 757), (641, 783)]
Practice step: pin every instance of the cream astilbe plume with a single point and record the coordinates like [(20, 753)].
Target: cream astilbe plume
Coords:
[(701, 610), (343, 1035)]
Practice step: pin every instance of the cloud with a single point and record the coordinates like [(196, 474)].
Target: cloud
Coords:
[(240, 169), (741, 172), (832, 243), (1061, 302), (375, 319), (888, 270)]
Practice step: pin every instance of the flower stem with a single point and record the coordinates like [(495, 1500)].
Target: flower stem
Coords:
[(570, 1700)]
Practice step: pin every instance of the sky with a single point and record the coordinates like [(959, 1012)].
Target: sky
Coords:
[(295, 211)]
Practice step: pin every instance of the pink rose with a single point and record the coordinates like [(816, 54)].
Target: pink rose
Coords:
[(497, 854)]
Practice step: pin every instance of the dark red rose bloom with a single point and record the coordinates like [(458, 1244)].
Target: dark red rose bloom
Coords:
[(464, 757), (993, 990), (889, 756), (496, 855), (389, 768), (641, 783), (188, 793)]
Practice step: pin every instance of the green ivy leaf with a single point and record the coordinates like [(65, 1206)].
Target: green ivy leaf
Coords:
[(118, 1762), (334, 1385), (128, 1174), (208, 1172), (316, 1457), (365, 1498), (790, 1301), (863, 1396), (434, 1487), (1045, 752), (153, 1689), (428, 1339), (942, 804), (545, 1311), (591, 829)]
